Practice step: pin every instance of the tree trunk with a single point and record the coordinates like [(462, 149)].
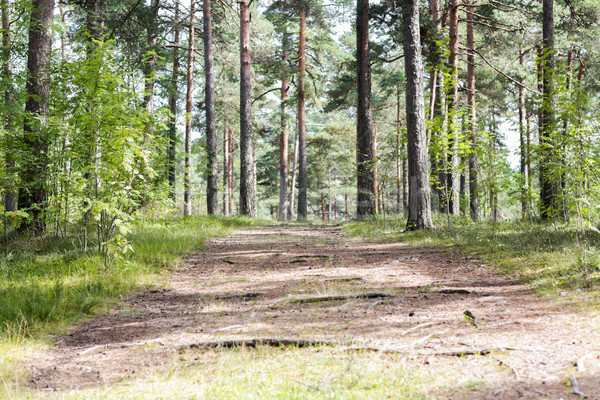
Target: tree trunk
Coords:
[(346, 205), (173, 96), (548, 190), (329, 197), (293, 180), (283, 139), (400, 156), (10, 198), (436, 115), (364, 139), (523, 143), (419, 211), (32, 196), (152, 33), (230, 174), (226, 170), (246, 139), (302, 183), (150, 64), (451, 101), (187, 196), (405, 194), (375, 177), (212, 179), (323, 207), (472, 117)]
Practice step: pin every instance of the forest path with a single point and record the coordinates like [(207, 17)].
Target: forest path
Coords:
[(247, 286)]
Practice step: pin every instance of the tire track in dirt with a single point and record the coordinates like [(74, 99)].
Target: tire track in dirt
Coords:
[(247, 286)]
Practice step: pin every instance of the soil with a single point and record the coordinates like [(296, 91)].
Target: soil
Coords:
[(247, 286)]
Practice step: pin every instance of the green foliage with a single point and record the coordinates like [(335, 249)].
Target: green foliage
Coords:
[(47, 283)]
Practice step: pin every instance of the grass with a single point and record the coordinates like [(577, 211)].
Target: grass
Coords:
[(266, 373), (47, 284), (552, 257)]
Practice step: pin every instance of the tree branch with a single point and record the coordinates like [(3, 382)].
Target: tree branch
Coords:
[(513, 80)]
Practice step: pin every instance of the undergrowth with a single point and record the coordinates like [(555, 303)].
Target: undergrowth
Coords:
[(48, 283), (552, 257)]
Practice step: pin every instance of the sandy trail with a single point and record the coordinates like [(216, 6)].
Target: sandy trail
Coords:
[(245, 287)]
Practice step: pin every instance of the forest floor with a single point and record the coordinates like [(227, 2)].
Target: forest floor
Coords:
[(390, 319)]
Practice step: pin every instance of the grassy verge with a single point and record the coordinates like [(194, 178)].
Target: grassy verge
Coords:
[(47, 284), (550, 257)]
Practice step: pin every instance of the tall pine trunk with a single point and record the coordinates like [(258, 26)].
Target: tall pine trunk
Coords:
[(212, 182), (437, 115), (452, 160), (230, 174), (302, 183), (419, 209), (293, 180), (36, 138), (226, 145), (399, 156), (283, 138), (364, 138), (472, 117), (150, 63), (187, 187), (10, 198), (523, 143), (246, 141), (173, 96), (549, 192)]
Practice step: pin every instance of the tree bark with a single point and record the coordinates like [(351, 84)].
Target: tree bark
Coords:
[(376, 188), (405, 194), (33, 195), (230, 173), (293, 180), (10, 198), (451, 101), (212, 180), (323, 207), (173, 97), (364, 138), (283, 138), (302, 183), (400, 157), (226, 170), (436, 115), (472, 117), (523, 143), (150, 64), (187, 195), (246, 138), (548, 190), (419, 212)]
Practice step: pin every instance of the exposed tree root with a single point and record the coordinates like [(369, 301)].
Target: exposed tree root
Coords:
[(339, 297), (249, 295), (575, 386), (507, 365), (473, 318), (454, 291), (253, 343), (333, 280), (474, 352)]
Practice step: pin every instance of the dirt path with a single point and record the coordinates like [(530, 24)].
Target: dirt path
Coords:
[(245, 287)]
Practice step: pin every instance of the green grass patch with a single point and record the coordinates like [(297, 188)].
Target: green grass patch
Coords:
[(46, 284), (551, 257)]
